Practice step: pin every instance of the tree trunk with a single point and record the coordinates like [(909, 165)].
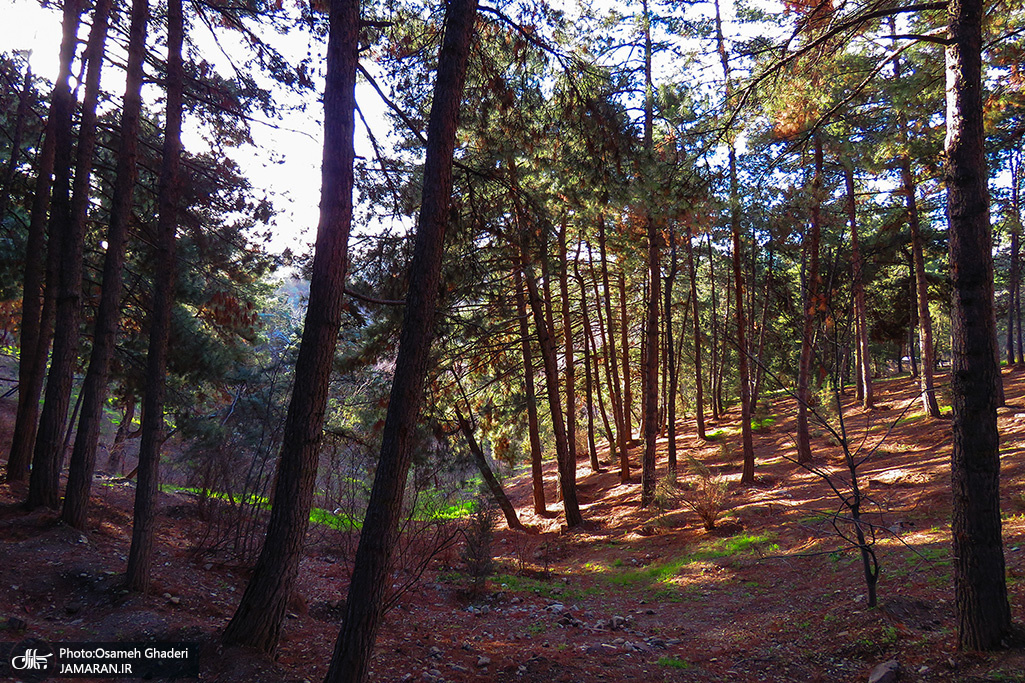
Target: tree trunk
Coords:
[(716, 402), (69, 220), (547, 342), (94, 388), (698, 380), (811, 305), (351, 660), (928, 364), (489, 477), (20, 116), (615, 395), (590, 378), (121, 436), (36, 323), (863, 356), (569, 366), (670, 362), (624, 343), (981, 608), (257, 621), (748, 475), (654, 300), (165, 275), (537, 474)]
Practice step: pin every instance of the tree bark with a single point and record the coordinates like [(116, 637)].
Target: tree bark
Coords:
[(351, 660), (165, 276), (533, 430), (811, 305), (590, 378), (981, 608), (569, 367), (624, 344), (615, 395), (546, 339), (36, 316), (925, 343), (489, 477), (257, 621), (69, 220), (670, 359), (94, 388), (863, 356), (699, 397), (20, 116)]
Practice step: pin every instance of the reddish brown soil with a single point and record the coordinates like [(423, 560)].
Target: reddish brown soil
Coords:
[(772, 595)]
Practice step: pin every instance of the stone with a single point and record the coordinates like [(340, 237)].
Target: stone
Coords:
[(483, 661), (885, 672), (435, 652)]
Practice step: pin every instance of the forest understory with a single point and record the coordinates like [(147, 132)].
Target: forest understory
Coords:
[(771, 594)]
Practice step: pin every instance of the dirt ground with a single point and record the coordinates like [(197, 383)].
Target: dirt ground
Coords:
[(772, 594)]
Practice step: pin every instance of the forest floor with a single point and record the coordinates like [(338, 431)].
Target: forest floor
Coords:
[(773, 594)]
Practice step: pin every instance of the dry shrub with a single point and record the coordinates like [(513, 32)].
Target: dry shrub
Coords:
[(708, 494)]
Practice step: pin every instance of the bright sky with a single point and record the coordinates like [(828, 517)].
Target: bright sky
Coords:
[(286, 161)]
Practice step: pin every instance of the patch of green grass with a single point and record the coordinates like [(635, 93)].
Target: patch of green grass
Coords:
[(664, 572), (674, 663)]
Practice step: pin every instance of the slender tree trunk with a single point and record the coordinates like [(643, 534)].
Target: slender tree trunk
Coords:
[(811, 305), (489, 477), (699, 392), (569, 367), (589, 378), (94, 388), (1012, 295), (20, 116), (165, 275), (928, 385), (605, 361), (117, 449), (981, 608), (257, 621), (567, 469), (1016, 206), (716, 402), (537, 474), (670, 363), (351, 660), (69, 220), (624, 343), (863, 355), (36, 323), (615, 395), (654, 300)]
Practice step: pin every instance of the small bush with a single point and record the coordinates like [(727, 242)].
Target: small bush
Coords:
[(479, 532), (709, 495)]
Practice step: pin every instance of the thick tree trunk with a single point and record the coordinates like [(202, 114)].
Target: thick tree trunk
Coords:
[(165, 276), (69, 220), (489, 477), (811, 305), (533, 430), (257, 621), (94, 388), (36, 316), (981, 608), (351, 660), (863, 356)]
